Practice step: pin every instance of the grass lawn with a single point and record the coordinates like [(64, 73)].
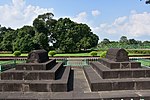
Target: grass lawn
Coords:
[(12, 62), (73, 54), (66, 54), (3, 55), (145, 62)]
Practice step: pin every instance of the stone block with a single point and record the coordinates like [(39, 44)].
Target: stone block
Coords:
[(142, 85), (59, 87), (113, 65), (37, 56), (147, 72), (12, 87), (139, 73), (125, 74), (104, 86), (124, 85), (31, 76), (135, 64), (40, 87), (110, 74), (46, 75), (117, 55)]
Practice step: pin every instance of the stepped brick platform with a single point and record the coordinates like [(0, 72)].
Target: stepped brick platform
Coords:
[(112, 78), (117, 73)]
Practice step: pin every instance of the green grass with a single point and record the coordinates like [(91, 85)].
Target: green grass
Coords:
[(144, 62), (11, 62), (73, 54), (66, 54), (3, 55)]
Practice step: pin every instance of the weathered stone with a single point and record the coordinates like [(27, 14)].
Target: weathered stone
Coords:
[(118, 55), (37, 56)]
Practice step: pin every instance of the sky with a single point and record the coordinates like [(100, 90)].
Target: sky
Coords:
[(107, 18)]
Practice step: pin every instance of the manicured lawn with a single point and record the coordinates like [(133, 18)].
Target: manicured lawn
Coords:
[(12, 62), (144, 62), (67, 54), (3, 55), (73, 54)]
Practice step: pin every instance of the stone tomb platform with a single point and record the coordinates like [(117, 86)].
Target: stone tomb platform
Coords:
[(117, 73), (40, 77)]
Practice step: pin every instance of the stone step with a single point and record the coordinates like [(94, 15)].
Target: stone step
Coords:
[(112, 95), (107, 73), (37, 66), (32, 74), (60, 85), (96, 83), (119, 65)]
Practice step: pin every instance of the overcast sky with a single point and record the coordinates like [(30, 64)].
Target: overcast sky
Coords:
[(107, 18)]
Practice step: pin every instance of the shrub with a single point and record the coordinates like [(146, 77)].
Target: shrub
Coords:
[(17, 53), (52, 53), (103, 54), (139, 51), (93, 53)]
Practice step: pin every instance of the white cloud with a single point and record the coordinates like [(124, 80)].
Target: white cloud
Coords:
[(19, 14), (120, 20), (95, 12), (80, 18), (134, 25)]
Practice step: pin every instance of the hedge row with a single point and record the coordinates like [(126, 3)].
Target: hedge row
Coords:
[(140, 51)]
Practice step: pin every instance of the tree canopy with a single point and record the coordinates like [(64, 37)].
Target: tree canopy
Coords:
[(63, 34)]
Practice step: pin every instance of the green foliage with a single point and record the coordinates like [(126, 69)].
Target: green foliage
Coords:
[(93, 53), (139, 51), (17, 53), (63, 34), (103, 54), (52, 53), (24, 39), (124, 43), (72, 37)]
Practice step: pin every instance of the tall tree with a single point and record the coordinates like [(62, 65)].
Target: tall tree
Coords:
[(7, 39), (24, 39), (123, 39), (72, 37), (44, 25)]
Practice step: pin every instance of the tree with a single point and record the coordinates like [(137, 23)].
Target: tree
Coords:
[(44, 26), (123, 39), (24, 39), (40, 41), (105, 41), (147, 2), (7, 39), (72, 37), (132, 41)]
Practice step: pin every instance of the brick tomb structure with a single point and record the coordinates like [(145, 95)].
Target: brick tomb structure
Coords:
[(110, 78), (116, 73), (39, 74)]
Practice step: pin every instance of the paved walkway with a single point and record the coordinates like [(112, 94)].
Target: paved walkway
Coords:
[(80, 82)]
